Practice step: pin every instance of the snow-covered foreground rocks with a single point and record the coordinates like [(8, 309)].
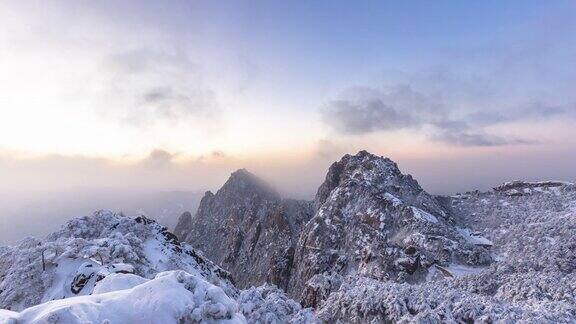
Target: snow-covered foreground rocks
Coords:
[(109, 268), (171, 297), (72, 261)]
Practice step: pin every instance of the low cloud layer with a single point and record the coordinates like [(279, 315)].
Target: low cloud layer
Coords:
[(38, 193)]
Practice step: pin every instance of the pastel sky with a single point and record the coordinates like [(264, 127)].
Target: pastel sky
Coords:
[(177, 94)]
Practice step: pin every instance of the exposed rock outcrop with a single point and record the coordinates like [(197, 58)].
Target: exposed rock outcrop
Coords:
[(183, 226), (247, 228), (375, 221), (369, 219)]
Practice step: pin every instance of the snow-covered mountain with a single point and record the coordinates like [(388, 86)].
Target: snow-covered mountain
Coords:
[(372, 247), (374, 221), (532, 229)]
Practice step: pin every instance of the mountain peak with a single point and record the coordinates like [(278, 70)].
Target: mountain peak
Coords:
[(243, 183), (366, 154), (244, 176), (242, 173), (362, 168)]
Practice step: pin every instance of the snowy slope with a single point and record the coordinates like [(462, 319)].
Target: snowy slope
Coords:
[(109, 268), (171, 297), (86, 250), (531, 229)]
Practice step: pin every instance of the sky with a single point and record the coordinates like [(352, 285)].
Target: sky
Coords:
[(175, 95)]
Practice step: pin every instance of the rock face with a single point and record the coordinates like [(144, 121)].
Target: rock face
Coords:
[(368, 219), (183, 226), (247, 228), (374, 221)]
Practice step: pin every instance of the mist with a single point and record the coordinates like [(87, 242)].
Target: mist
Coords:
[(38, 194)]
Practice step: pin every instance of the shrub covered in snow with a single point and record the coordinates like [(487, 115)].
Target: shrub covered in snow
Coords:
[(362, 300), (268, 304)]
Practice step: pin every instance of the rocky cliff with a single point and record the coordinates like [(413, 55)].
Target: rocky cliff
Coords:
[(248, 228), (367, 218), (374, 221)]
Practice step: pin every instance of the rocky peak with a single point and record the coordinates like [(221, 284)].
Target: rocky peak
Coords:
[(243, 184), (377, 174), (369, 219), (247, 228), (373, 220)]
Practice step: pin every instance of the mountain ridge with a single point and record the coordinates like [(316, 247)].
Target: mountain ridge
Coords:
[(372, 247)]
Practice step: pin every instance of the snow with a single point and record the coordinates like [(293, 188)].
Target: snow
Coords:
[(8, 317), (108, 268), (156, 253), (395, 200), (460, 270), (64, 273), (268, 304), (364, 300), (453, 270), (171, 297), (87, 250), (423, 215), (118, 281)]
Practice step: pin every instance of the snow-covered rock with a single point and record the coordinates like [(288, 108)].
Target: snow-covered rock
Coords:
[(268, 304), (171, 297), (71, 261), (108, 268), (375, 221), (118, 281), (363, 300)]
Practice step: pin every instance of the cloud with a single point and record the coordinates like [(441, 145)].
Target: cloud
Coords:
[(218, 154), (158, 158), (364, 110), (146, 86), (328, 149), (369, 109), (367, 116), (467, 95), (166, 102), (466, 138)]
